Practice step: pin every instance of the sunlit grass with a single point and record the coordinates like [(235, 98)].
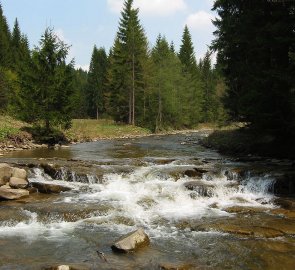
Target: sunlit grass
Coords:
[(88, 129), (9, 127)]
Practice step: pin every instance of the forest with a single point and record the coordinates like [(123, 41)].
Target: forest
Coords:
[(134, 83), (156, 86)]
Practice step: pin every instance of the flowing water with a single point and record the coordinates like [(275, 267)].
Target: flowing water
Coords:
[(200, 209)]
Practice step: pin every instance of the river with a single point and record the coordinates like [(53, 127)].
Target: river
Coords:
[(200, 209)]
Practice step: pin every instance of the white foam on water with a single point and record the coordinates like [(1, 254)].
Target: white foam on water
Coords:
[(146, 196), (32, 229), (150, 198)]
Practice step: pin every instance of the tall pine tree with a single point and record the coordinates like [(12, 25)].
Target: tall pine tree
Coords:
[(192, 96), (96, 83), (46, 87), (129, 54)]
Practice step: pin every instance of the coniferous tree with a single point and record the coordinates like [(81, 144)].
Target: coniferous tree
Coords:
[(129, 54), (96, 83), (254, 40), (79, 96), (192, 96), (46, 87), (167, 83), (5, 37), (19, 47)]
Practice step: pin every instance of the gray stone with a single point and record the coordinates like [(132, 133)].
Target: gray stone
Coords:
[(131, 242), (15, 182), (12, 194)]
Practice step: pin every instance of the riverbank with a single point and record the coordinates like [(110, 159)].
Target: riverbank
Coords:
[(242, 141), (17, 135)]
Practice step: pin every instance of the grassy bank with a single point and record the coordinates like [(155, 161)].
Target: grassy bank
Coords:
[(88, 129), (12, 129), (14, 132)]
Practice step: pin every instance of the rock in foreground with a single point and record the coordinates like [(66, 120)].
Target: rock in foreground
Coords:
[(15, 182), (5, 173), (131, 242), (49, 188), (7, 193)]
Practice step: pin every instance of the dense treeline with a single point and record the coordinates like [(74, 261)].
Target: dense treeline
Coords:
[(153, 87), (255, 41), (133, 83)]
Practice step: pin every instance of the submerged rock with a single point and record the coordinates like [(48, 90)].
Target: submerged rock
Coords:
[(49, 188), (286, 203), (8, 193), (131, 242), (195, 172), (253, 231), (245, 209), (168, 266), (5, 173), (15, 182), (200, 188)]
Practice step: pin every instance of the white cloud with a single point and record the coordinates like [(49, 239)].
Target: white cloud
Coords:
[(84, 67), (200, 20), (60, 34), (151, 7)]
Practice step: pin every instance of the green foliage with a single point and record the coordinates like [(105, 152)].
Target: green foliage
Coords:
[(96, 83), (126, 72), (254, 40), (157, 88), (78, 99), (46, 86), (5, 37)]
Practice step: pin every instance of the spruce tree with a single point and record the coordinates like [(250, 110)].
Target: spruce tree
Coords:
[(5, 37), (254, 40), (187, 53), (130, 52), (46, 86), (192, 96), (96, 83)]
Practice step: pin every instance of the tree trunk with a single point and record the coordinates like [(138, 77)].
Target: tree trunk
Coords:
[(133, 89), (47, 124), (130, 108)]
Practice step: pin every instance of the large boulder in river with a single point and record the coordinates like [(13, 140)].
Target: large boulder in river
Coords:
[(48, 188), (5, 173), (15, 182), (8, 193), (19, 173), (131, 241)]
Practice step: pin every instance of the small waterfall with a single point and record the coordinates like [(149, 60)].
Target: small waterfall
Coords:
[(260, 185), (64, 174)]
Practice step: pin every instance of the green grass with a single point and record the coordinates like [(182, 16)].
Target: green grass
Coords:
[(87, 129), (9, 127)]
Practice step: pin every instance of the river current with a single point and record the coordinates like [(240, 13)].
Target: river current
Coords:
[(200, 209)]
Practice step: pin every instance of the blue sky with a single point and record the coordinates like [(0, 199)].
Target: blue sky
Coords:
[(83, 23)]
